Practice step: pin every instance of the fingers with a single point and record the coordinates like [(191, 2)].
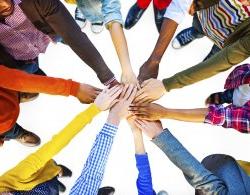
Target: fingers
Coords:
[(132, 95), (129, 92), (113, 90), (116, 93), (144, 83), (125, 88)]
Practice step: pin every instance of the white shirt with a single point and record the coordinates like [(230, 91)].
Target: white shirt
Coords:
[(177, 10), (241, 95)]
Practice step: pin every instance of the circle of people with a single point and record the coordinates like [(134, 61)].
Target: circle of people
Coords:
[(28, 26)]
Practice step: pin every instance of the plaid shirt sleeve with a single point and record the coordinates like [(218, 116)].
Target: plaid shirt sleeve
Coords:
[(231, 116), (92, 174)]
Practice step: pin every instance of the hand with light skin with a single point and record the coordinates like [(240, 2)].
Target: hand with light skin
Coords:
[(137, 134), (129, 77), (150, 91), (151, 128), (119, 110), (108, 97)]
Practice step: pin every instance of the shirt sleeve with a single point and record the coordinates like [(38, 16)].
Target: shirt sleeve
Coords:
[(34, 162), (231, 116), (196, 174), (21, 81), (220, 62), (92, 174), (144, 180), (177, 10)]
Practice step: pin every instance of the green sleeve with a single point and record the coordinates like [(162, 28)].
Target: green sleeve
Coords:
[(220, 62)]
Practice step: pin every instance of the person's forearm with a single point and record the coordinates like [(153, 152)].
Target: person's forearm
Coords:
[(168, 29), (58, 17), (120, 43), (37, 160), (138, 141), (188, 115), (220, 62), (198, 176), (21, 81), (93, 171)]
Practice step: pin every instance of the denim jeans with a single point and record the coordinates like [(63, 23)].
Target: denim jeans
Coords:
[(13, 133), (101, 10)]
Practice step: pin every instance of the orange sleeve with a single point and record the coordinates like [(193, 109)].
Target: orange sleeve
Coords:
[(21, 81)]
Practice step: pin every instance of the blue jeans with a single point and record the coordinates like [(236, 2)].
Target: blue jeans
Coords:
[(101, 10), (13, 133)]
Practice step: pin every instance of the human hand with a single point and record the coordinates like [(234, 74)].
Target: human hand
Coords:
[(128, 77), (131, 121), (151, 90), (214, 98), (86, 93), (120, 109), (148, 70), (108, 97), (148, 111), (151, 128)]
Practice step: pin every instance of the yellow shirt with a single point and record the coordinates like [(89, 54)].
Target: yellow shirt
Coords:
[(245, 166), (39, 166)]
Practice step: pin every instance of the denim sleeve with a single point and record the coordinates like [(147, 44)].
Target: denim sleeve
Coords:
[(111, 10), (144, 180), (196, 174)]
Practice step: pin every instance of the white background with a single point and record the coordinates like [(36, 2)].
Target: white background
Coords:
[(48, 114)]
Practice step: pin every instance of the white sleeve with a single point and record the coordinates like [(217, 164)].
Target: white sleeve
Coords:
[(177, 10)]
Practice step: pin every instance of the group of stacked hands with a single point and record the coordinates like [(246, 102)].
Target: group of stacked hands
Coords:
[(28, 26)]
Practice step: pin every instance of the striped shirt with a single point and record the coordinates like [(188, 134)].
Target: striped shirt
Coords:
[(220, 20), (92, 174), (20, 37)]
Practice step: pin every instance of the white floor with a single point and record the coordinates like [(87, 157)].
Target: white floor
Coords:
[(48, 114)]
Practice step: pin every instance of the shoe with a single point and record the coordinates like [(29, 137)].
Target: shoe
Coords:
[(134, 15), (215, 49), (65, 171), (28, 138), (96, 27), (185, 37), (162, 192), (80, 19), (106, 190), (27, 97), (61, 187), (159, 15)]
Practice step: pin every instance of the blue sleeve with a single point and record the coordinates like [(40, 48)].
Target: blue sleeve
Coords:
[(144, 180), (92, 174), (196, 174)]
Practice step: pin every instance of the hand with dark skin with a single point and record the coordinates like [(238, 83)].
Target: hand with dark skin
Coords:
[(86, 93), (151, 67)]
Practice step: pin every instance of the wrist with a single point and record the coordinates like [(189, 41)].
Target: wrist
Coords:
[(113, 119), (154, 60)]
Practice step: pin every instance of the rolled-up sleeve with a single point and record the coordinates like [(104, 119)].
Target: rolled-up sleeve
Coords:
[(216, 115), (111, 10)]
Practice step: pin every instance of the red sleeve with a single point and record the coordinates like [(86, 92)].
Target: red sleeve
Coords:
[(21, 81)]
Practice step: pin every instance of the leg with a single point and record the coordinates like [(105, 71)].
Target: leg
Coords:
[(159, 11), (91, 9), (136, 12), (187, 35), (21, 135)]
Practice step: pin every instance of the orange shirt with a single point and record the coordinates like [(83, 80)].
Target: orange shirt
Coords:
[(13, 81)]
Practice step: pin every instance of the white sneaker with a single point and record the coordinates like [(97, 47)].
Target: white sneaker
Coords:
[(97, 27), (80, 18)]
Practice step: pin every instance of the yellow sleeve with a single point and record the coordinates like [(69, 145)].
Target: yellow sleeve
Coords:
[(34, 162), (70, 1), (245, 166)]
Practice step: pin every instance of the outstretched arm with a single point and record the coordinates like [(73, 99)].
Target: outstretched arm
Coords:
[(144, 180), (120, 43), (196, 174), (156, 112)]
